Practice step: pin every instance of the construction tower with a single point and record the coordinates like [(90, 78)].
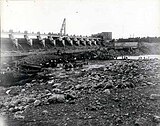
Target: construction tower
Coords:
[(63, 28)]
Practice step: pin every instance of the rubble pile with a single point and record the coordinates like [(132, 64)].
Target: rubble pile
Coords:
[(26, 68), (57, 86), (123, 74)]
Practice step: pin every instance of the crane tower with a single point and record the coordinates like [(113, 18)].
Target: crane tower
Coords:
[(63, 28)]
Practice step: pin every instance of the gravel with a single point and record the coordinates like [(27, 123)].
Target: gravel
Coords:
[(68, 88)]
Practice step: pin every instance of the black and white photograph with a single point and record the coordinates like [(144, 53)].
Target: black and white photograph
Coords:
[(80, 63)]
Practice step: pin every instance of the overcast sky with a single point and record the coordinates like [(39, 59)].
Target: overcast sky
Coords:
[(124, 18)]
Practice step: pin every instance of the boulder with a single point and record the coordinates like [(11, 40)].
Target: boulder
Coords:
[(15, 90), (50, 81), (11, 109), (28, 85), (37, 102), (52, 99), (141, 122), (107, 91), (156, 119), (56, 98), (23, 90), (31, 100), (99, 85), (60, 98), (79, 87), (108, 85), (118, 120), (8, 91), (16, 102), (56, 85), (47, 91), (70, 96), (57, 90), (18, 115), (48, 94), (15, 109), (155, 96), (44, 112)]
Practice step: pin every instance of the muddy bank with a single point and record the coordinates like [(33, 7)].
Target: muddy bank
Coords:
[(27, 68)]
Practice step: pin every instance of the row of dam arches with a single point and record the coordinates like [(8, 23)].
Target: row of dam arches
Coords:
[(26, 44)]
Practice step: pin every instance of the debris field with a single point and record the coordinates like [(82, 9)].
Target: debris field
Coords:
[(100, 93)]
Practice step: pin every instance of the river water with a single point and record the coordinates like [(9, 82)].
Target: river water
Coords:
[(141, 57)]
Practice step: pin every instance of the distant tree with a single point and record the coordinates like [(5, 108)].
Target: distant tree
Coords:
[(38, 32), (25, 32), (11, 30)]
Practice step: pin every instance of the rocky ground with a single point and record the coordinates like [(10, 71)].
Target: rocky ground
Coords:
[(102, 93)]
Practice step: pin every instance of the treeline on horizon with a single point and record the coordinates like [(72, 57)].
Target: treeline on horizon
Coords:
[(140, 39)]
